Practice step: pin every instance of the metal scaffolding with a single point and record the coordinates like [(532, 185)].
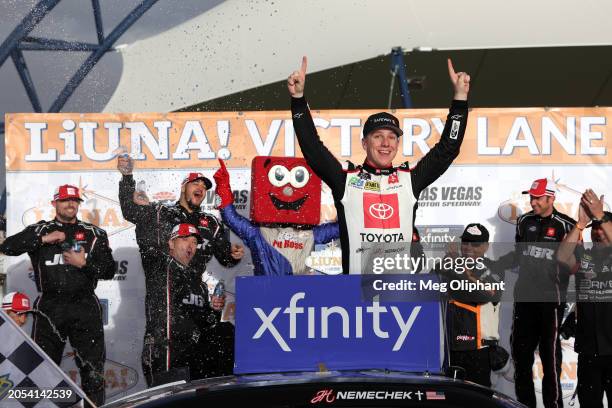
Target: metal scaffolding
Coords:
[(20, 40)]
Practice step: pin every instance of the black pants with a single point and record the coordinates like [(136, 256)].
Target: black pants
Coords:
[(220, 351), (79, 320), (536, 325), (162, 364), (594, 378), (212, 356), (476, 363)]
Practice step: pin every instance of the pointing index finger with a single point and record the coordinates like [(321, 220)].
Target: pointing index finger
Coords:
[(304, 65), (451, 70)]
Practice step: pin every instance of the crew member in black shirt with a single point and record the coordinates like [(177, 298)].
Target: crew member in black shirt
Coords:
[(593, 316), (154, 221), (539, 294), (68, 257), (179, 318)]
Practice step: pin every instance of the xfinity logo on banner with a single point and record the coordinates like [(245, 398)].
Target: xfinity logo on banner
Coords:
[(295, 323), (319, 321)]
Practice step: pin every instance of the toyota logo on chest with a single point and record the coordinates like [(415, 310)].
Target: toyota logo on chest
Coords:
[(381, 211)]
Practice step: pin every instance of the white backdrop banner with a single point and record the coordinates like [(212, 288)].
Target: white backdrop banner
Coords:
[(503, 152)]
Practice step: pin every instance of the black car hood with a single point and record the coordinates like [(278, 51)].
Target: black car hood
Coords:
[(372, 388)]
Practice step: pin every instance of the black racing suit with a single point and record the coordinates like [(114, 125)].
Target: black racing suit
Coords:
[(594, 325), (179, 321), (539, 303), (154, 223), (472, 322), (66, 300), (376, 207)]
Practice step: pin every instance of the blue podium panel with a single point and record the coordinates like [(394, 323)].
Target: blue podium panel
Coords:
[(296, 323)]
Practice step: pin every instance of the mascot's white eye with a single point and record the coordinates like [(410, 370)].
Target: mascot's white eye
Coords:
[(299, 176), (279, 175)]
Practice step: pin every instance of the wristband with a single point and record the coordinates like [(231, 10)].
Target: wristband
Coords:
[(604, 218)]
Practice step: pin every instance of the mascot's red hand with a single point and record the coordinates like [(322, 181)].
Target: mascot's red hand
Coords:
[(224, 193)]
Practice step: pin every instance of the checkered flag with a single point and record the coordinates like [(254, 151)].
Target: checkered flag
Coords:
[(28, 377)]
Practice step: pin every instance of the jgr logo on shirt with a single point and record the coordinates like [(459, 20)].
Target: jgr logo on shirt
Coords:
[(58, 259), (195, 300), (537, 252)]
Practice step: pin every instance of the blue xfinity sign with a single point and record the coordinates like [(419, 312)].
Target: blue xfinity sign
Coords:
[(296, 323)]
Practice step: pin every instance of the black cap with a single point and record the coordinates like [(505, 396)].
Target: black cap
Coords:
[(475, 233), (382, 120)]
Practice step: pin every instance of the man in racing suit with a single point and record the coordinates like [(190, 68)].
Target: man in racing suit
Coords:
[(592, 319), (179, 318), (472, 316), (154, 221), (68, 257), (539, 294), (377, 202)]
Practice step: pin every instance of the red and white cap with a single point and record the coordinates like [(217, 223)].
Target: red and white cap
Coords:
[(16, 301), (542, 187), (67, 192), (197, 176), (185, 230)]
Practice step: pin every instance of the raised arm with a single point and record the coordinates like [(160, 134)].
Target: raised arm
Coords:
[(318, 157), (595, 206), (440, 157), (567, 247), (136, 213), (236, 222)]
